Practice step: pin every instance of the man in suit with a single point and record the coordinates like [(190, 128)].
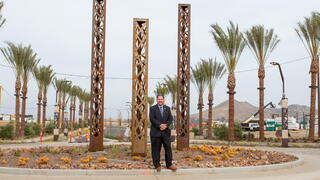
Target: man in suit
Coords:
[(160, 133)]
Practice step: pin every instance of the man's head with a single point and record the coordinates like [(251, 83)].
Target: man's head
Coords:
[(160, 99)]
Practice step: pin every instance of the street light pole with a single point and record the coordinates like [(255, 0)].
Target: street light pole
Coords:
[(284, 111)]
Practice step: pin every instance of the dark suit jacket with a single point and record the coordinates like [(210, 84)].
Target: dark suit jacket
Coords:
[(156, 119)]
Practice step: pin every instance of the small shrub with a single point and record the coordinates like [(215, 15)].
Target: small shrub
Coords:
[(43, 160), (49, 128), (198, 158), (115, 149), (7, 131), (136, 158), (23, 161), (225, 157), (195, 131), (17, 153), (102, 159), (86, 160), (215, 158), (66, 160), (221, 132)]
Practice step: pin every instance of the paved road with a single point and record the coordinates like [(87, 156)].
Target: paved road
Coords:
[(309, 170)]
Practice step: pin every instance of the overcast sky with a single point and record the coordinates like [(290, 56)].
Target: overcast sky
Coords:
[(60, 32)]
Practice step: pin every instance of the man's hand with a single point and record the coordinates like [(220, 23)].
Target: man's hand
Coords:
[(163, 127)]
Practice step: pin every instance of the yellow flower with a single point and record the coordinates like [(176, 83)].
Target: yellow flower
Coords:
[(136, 158), (215, 158), (43, 160), (23, 161), (102, 159), (66, 160), (198, 158), (225, 157)]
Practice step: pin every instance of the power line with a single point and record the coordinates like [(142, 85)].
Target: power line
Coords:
[(157, 78)]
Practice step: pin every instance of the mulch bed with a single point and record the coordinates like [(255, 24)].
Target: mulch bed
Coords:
[(119, 157)]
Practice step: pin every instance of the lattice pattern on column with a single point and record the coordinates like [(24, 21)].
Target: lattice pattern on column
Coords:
[(97, 75), (183, 98), (140, 86)]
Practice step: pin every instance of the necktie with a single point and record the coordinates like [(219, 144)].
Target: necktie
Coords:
[(161, 110)]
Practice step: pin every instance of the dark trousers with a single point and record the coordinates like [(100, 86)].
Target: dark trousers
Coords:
[(156, 144)]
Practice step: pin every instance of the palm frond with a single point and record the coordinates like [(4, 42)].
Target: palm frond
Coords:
[(213, 70), (230, 43), (198, 78), (2, 20), (261, 42), (309, 32)]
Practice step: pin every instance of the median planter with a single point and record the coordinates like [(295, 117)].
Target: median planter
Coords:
[(119, 157)]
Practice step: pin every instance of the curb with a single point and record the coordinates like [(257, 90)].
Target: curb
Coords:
[(139, 172)]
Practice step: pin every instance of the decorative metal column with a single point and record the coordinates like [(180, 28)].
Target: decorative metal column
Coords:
[(140, 87), (97, 75), (183, 98)]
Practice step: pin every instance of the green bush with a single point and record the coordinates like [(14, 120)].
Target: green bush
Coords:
[(196, 131), (7, 131), (249, 136), (31, 130), (36, 128), (238, 130), (49, 128), (221, 132)]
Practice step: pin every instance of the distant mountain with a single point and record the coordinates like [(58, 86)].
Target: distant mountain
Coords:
[(244, 110)]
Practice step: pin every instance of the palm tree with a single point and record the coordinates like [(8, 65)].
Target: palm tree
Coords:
[(65, 88), (261, 42), (29, 64), (81, 97), (58, 83), (231, 45), (15, 55), (161, 89), (172, 84), (198, 79), (213, 72), (308, 32), (73, 94), (2, 20), (150, 101), (38, 74), (48, 80)]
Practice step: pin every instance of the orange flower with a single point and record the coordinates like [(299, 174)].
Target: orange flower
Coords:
[(43, 160), (198, 158)]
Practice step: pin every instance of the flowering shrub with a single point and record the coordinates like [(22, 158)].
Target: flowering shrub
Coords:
[(43, 160)]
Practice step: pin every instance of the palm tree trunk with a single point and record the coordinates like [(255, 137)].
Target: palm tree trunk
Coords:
[(231, 87), (71, 119), (210, 113), (200, 106), (261, 75), (62, 116), (86, 112), (39, 108), (17, 111), (74, 111), (23, 110), (314, 70), (44, 113), (60, 112), (80, 114)]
